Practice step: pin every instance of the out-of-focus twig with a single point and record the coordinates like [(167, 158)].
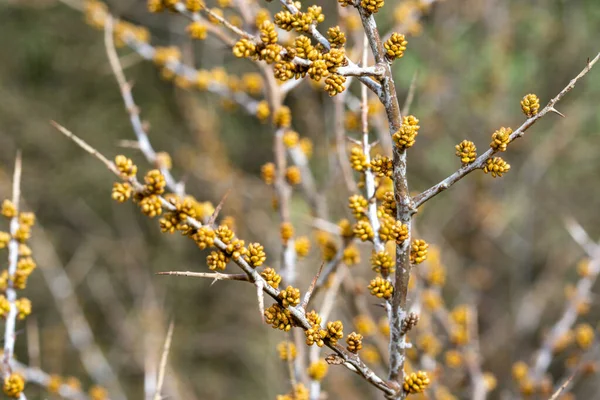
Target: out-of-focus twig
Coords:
[(134, 113), (582, 293), (163, 362)]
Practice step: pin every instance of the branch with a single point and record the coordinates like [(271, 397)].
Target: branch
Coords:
[(569, 316), (397, 312), (351, 361), (13, 257), (41, 378), (133, 111), (315, 34), (163, 362), (482, 159), (217, 276)]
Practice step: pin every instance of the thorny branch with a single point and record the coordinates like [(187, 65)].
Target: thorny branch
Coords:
[(389, 99), (351, 361), (482, 159), (133, 111)]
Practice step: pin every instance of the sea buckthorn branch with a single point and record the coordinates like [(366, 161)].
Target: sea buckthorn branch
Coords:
[(45, 380), (314, 199), (148, 52), (359, 305), (351, 361), (340, 141), (11, 294), (315, 34), (134, 114), (397, 312), (350, 70), (326, 307), (582, 294), (215, 276), (473, 357), (480, 162), (354, 70), (369, 176), (195, 16)]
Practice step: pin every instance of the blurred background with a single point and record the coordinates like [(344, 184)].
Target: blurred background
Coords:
[(502, 241)]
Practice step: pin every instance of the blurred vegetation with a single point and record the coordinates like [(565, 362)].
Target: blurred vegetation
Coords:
[(473, 61)]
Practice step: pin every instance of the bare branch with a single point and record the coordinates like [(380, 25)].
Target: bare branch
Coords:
[(133, 111), (217, 276), (163, 362)]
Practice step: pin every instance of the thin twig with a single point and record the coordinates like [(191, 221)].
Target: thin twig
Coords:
[(163, 362), (133, 110), (312, 286), (569, 315), (217, 276), (411, 94)]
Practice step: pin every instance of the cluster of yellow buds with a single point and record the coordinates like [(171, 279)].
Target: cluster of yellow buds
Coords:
[(416, 382), (405, 136), (418, 251), (289, 296), (530, 105), (336, 37), (466, 151), (496, 166), (351, 256), (460, 315), (335, 331), (197, 30), (272, 278), (317, 370), (278, 317), (293, 175), (25, 263), (392, 229), (371, 6), (395, 46), (364, 231), (382, 166), (358, 205), (388, 204), (302, 246), (358, 159), (500, 139), (381, 288), (287, 351), (354, 342), (382, 262), (14, 384), (300, 392), (315, 334)]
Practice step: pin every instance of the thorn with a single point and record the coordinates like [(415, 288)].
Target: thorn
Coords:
[(311, 288), (554, 110), (357, 142), (215, 214)]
